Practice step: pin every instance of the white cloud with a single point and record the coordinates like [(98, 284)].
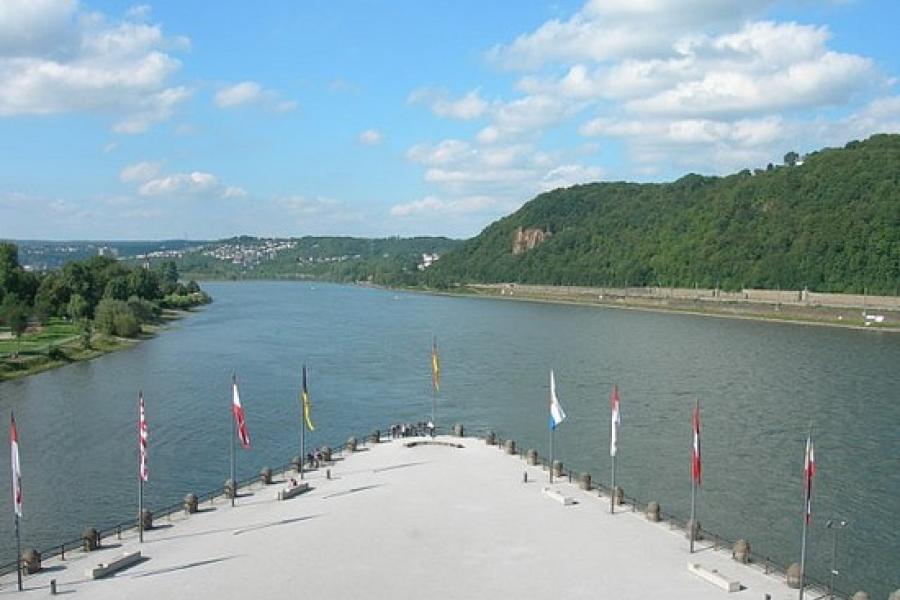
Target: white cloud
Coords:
[(180, 184), (233, 191), (55, 58), (614, 29), (470, 106), (251, 93), (370, 137), (569, 175), (141, 171), (246, 92), (432, 205)]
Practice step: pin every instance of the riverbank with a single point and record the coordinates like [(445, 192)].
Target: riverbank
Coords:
[(63, 350), (779, 309)]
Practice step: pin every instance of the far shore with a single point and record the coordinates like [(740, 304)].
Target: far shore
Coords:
[(775, 312)]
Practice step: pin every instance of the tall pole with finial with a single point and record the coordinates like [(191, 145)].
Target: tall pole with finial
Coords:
[(809, 470), (435, 380), (696, 467), (613, 443), (233, 435), (17, 491), (142, 457)]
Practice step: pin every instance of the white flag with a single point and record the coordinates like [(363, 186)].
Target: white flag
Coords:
[(557, 414), (616, 419)]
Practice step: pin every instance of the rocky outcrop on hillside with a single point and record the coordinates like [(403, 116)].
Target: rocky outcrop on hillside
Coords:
[(526, 239)]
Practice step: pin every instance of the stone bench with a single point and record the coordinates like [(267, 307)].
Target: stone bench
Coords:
[(714, 577), (558, 496), (295, 490), (123, 562)]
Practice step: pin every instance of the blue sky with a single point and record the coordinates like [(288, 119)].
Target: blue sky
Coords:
[(207, 120)]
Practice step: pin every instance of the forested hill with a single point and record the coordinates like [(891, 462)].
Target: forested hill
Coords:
[(829, 223)]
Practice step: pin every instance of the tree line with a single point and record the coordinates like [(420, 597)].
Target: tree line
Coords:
[(98, 292), (830, 224)]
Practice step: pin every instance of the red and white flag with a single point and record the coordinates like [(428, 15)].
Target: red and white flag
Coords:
[(696, 464), (616, 419), (16, 468), (238, 411), (142, 439), (809, 471)]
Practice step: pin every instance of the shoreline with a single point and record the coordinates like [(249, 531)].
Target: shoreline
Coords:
[(748, 311), (101, 345)]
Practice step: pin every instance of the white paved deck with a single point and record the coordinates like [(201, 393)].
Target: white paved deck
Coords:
[(398, 522)]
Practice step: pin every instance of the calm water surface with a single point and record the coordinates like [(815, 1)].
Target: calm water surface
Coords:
[(760, 386)]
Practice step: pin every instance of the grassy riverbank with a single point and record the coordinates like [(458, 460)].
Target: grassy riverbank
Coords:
[(61, 342)]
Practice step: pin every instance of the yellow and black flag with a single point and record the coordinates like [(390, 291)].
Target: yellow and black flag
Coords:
[(435, 366), (307, 408)]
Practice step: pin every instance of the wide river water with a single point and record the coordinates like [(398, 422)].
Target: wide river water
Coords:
[(760, 386)]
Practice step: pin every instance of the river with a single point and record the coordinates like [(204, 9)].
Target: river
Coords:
[(761, 386)]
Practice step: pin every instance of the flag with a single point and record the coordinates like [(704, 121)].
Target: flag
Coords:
[(809, 471), (435, 366), (307, 408), (14, 463), (557, 414), (695, 450), (616, 419), (238, 411), (142, 438)]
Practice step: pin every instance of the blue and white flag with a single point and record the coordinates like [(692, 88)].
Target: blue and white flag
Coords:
[(557, 414)]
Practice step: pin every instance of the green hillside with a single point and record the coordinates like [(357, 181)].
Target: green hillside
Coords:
[(831, 223)]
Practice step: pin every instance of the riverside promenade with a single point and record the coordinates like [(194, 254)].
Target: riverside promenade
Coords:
[(408, 518)]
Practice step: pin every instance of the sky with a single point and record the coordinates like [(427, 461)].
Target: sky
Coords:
[(204, 120)]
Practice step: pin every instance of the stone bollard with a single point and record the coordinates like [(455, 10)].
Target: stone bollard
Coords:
[(792, 575), (531, 457), (585, 481), (557, 468), (31, 561), (325, 451), (191, 504), (458, 430), (146, 518), (653, 512), (374, 437), (860, 596), (265, 476), (619, 495), (490, 439), (298, 463), (230, 490), (350, 446), (509, 446), (741, 551), (696, 528), (90, 539)]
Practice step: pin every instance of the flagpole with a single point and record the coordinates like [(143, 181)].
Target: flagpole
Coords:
[(551, 454), (612, 491), (140, 479), (692, 525), (806, 500), (233, 435), (18, 555), (302, 427)]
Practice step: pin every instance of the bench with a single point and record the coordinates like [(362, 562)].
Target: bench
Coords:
[(123, 562), (558, 496), (714, 577), (291, 491)]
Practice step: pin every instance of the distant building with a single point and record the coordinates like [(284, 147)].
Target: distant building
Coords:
[(107, 251), (428, 260)]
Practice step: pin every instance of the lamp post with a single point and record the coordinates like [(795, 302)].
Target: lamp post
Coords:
[(833, 526)]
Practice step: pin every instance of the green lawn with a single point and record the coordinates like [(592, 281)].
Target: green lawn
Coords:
[(55, 332)]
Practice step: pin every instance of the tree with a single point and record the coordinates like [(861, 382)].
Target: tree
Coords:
[(791, 158), (15, 315), (116, 288), (79, 310)]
